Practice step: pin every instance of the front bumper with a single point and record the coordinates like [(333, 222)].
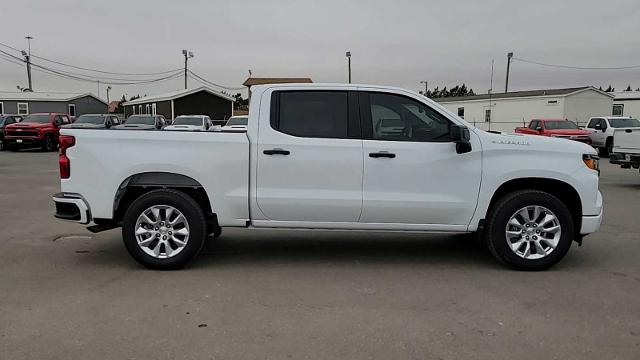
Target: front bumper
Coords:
[(591, 223), (23, 141), (72, 207)]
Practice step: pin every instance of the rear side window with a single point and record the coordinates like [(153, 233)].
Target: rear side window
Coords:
[(315, 114)]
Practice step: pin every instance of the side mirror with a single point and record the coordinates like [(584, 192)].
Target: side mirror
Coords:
[(538, 128), (461, 136), (598, 127)]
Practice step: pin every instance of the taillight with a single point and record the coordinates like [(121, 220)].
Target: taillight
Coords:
[(65, 141)]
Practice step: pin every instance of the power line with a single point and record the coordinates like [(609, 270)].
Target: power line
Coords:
[(211, 83), (576, 67), (90, 69)]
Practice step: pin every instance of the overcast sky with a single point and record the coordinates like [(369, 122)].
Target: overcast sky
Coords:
[(398, 42)]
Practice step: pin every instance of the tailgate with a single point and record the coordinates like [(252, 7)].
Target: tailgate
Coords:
[(626, 140)]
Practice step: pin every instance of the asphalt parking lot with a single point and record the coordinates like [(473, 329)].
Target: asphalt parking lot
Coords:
[(68, 294)]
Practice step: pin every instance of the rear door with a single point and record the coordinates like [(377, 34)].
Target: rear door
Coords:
[(412, 172), (309, 158)]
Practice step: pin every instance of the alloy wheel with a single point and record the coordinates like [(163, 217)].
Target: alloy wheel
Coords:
[(162, 231), (533, 232)]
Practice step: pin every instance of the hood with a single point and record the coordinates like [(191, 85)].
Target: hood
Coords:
[(83, 126), (569, 132), (184, 127), (29, 125), (514, 143), (134, 127)]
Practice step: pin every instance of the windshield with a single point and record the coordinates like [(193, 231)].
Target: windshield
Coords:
[(2, 118), (89, 119), (188, 120), (37, 118), (237, 120), (622, 123), (141, 120), (554, 125)]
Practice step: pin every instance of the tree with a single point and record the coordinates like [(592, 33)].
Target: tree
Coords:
[(458, 90), (628, 88), (610, 89), (120, 107)]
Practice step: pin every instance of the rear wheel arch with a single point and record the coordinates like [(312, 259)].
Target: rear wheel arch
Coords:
[(139, 184), (558, 188)]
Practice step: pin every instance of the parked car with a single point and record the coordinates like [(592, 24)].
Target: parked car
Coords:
[(36, 130), (626, 147), (94, 121), (601, 130), (142, 122), (7, 119), (558, 128), (311, 160), (236, 123), (190, 123)]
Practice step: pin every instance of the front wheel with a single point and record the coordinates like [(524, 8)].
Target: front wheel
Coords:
[(529, 230), (164, 229), (49, 144)]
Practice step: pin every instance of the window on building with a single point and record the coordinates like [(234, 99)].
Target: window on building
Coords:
[(487, 115), (400, 118), (618, 109), (139, 109), (153, 109), (317, 114), (146, 109), (461, 112), (552, 102), (72, 109), (1, 108), (23, 108)]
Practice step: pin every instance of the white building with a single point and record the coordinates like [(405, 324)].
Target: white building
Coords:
[(506, 111), (627, 103)]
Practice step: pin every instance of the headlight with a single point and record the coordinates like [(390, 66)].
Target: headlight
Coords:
[(592, 162)]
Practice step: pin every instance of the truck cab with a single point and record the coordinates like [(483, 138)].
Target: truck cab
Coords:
[(36, 130)]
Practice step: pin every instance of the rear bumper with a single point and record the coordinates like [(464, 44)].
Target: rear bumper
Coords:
[(591, 223), (72, 207), (625, 159)]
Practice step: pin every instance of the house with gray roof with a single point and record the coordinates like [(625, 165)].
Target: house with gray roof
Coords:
[(74, 104)]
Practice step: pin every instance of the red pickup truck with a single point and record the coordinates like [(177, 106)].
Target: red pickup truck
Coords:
[(556, 128), (36, 130)]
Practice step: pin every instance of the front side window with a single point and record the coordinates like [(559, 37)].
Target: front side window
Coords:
[(399, 118), (316, 114), (592, 123), (534, 124), (461, 112), (23, 108)]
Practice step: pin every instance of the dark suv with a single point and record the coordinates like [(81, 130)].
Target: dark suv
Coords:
[(7, 119)]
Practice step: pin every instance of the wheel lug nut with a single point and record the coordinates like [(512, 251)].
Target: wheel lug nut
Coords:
[(170, 233), (161, 223), (537, 231), (157, 235), (157, 228), (527, 237), (535, 238), (164, 237), (535, 225)]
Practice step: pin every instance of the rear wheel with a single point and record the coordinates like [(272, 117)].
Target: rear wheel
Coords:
[(529, 230), (164, 229), (2, 146)]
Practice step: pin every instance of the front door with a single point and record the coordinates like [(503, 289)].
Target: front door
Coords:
[(412, 173), (309, 158)]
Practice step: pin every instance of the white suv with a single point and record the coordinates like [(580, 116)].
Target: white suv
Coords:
[(602, 130)]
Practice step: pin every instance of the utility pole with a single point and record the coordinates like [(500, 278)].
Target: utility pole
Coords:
[(349, 64), (426, 86), (506, 84), (27, 59), (187, 55), (490, 98), (108, 89)]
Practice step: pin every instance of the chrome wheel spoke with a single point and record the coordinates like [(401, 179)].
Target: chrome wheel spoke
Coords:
[(551, 230), (158, 237), (539, 249), (517, 245)]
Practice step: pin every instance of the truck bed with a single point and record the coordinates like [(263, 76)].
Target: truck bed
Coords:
[(104, 159)]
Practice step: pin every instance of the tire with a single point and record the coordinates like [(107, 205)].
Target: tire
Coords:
[(540, 257), (174, 256), (3, 147), (48, 144), (608, 147), (13, 148)]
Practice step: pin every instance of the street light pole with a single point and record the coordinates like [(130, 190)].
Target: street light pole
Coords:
[(426, 87), (187, 55), (349, 64), (108, 89), (506, 84), (27, 58)]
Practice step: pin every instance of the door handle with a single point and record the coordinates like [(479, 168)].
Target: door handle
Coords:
[(382, 154), (276, 152)]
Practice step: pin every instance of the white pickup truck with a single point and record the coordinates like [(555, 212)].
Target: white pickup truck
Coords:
[(625, 149), (320, 156)]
